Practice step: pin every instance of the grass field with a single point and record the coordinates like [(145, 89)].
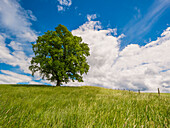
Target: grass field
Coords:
[(81, 107)]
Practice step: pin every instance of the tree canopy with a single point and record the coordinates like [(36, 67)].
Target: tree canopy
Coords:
[(60, 56)]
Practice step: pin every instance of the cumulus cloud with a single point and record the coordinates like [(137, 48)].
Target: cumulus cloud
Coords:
[(9, 77), (16, 21), (60, 8), (16, 35), (17, 57), (63, 4), (91, 17), (15, 45), (135, 67)]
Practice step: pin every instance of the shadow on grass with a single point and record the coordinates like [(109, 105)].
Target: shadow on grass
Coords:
[(38, 85), (29, 85)]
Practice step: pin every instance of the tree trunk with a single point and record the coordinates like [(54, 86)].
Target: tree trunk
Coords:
[(58, 83)]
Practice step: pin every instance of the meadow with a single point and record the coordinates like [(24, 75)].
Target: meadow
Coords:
[(81, 107)]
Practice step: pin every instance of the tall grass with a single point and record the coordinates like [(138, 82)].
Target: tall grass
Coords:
[(81, 107)]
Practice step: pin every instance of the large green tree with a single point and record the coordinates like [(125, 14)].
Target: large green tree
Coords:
[(60, 56)]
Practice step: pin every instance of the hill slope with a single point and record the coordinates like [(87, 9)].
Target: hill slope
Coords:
[(42, 106)]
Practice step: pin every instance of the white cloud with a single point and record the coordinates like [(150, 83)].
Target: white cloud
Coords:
[(60, 8), (30, 15), (114, 31), (90, 26), (33, 82), (138, 27), (91, 17), (134, 67), (15, 20), (63, 4), (15, 58), (9, 77), (15, 45)]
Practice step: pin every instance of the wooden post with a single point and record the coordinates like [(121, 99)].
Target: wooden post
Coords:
[(158, 92), (139, 91)]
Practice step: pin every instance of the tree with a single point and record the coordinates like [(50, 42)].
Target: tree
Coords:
[(60, 56)]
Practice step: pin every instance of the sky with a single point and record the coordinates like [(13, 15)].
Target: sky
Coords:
[(129, 40)]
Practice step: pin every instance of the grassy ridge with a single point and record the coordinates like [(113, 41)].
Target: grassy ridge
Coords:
[(37, 106)]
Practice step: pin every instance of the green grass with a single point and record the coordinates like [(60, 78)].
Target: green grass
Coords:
[(81, 107)]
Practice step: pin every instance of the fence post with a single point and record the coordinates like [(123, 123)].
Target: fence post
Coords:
[(158, 92)]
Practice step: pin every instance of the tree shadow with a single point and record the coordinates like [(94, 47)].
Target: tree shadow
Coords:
[(30, 85), (40, 85)]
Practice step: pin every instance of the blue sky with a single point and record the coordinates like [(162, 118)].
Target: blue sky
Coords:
[(129, 39), (151, 15)]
